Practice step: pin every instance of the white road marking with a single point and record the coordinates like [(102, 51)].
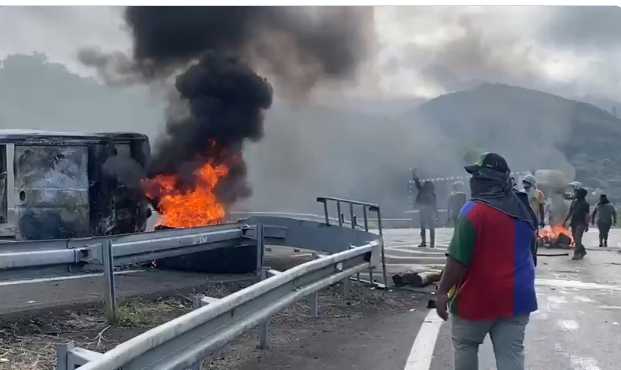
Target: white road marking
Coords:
[(434, 266), (415, 257), (584, 363), (568, 325), (425, 342), (415, 247), (610, 307), (414, 252), (557, 299), (60, 278), (584, 299), (575, 284)]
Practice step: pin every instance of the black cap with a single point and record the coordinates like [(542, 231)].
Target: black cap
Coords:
[(493, 161)]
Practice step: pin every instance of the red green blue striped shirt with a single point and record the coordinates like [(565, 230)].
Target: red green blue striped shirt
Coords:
[(497, 250)]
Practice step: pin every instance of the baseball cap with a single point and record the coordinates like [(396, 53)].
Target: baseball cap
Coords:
[(493, 161)]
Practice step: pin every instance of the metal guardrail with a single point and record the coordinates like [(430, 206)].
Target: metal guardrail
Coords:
[(128, 249), (34, 258), (123, 250), (386, 222), (462, 177), (366, 207), (69, 357), (185, 341)]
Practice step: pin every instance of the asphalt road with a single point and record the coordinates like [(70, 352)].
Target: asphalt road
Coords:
[(577, 327)]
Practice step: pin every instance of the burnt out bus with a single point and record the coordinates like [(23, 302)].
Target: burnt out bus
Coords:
[(65, 184)]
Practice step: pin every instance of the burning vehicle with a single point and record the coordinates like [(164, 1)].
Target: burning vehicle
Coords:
[(56, 185), (60, 185)]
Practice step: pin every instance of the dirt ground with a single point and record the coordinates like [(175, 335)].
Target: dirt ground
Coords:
[(29, 342)]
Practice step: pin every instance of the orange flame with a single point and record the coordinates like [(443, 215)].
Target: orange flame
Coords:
[(182, 208), (551, 234)]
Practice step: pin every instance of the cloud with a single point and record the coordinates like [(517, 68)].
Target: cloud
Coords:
[(572, 51), (596, 27), (563, 50), (59, 32)]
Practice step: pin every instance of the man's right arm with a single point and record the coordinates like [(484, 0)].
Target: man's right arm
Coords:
[(453, 274), (459, 257), (419, 186)]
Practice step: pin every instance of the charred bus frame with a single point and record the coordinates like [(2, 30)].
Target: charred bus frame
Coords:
[(52, 184)]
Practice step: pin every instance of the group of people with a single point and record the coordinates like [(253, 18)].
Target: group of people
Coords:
[(488, 282), (604, 214)]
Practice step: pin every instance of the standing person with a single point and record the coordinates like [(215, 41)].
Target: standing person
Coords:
[(426, 202), (579, 216), (606, 217), (536, 198), (490, 269), (457, 199)]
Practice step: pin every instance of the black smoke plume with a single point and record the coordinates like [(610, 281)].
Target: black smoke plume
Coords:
[(226, 100), (221, 100), (300, 44)]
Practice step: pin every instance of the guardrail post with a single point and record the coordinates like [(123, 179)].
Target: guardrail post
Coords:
[(325, 212), (352, 217), (346, 288), (110, 308), (264, 327), (260, 251), (315, 304), (346, 281), (381, 233), (264, 332), (366, 219), (338, 211), (196, 301), (62, 356)]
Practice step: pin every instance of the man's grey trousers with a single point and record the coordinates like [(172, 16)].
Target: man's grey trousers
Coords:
[(507, 338)]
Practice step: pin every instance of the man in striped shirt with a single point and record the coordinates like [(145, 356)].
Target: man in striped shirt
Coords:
[(489, 278)]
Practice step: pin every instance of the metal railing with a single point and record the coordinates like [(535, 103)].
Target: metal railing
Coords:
[(367, 208), (128, 249), (123, 250), (187, 340)]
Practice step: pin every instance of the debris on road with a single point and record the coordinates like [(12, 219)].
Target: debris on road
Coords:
[(417, 279)]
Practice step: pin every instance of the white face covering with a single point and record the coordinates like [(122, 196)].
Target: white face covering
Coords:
[(530, 191)]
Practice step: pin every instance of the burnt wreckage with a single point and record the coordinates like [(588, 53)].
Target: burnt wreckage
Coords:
[(57, 185), (61, 185)]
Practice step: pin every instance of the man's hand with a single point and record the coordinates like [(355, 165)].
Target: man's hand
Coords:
[(442, 305)]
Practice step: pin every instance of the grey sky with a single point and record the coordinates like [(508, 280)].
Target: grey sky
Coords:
[(421, 51)]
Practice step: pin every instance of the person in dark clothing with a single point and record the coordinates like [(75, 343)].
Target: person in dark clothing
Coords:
[(457, 199), (606, 216), (426, 203), (579, 216)]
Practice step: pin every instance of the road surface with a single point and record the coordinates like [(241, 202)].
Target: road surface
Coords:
[(577, 327)]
